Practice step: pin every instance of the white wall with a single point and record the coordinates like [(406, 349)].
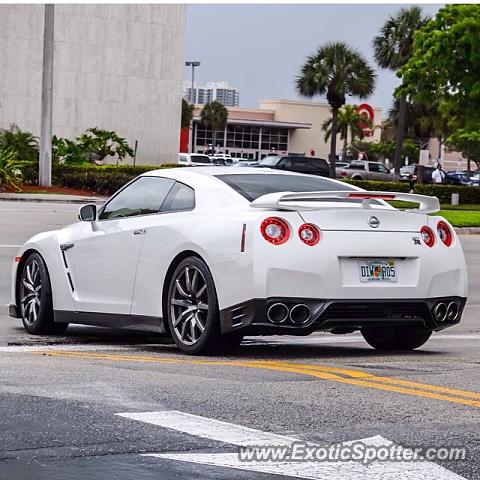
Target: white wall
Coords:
[(118, 67)]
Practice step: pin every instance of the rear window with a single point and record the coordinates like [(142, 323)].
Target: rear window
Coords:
[(251, 186), (200, 159), (269, 161)]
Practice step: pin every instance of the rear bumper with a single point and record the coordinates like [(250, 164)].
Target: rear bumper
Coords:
[(339, 316)]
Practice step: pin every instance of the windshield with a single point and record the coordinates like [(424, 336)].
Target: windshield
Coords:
[(269, 161), (251, 185), (200, 159)]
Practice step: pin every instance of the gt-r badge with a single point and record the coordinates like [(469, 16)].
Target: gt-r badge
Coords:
[(416, 241), (374, 222)]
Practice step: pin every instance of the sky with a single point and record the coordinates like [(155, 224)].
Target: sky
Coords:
[(260, 49)]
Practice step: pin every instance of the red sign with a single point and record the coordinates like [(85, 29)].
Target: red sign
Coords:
[(366, 111)]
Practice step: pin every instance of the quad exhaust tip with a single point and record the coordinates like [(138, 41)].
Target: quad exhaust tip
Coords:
[(277, 313), (300, 314), (444, 311), (440, 312), (452, 311)]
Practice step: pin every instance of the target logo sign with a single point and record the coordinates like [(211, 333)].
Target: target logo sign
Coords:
[(366, 111)]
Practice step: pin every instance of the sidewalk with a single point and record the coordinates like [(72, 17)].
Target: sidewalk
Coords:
[(50, 198)]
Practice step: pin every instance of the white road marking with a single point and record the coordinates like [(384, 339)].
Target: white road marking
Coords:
[(242, 436), (10, 246), (209, 428), (61, 346)]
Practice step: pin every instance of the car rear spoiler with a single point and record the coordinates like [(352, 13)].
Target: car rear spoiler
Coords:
[(293, 201)]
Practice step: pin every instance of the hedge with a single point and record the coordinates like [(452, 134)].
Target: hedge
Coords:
[(102, 179), (107, 179), (468, 195)]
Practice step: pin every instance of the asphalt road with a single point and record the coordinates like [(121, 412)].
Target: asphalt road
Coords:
[(60, 397)]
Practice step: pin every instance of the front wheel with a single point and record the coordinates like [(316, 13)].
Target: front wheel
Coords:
[(193, 307), (35, 298), (395, 338)]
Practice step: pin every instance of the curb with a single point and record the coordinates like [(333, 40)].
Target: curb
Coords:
[(51, 199), (468, 231)]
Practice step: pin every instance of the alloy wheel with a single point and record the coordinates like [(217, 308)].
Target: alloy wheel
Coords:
[(30, 291), (189, 305)]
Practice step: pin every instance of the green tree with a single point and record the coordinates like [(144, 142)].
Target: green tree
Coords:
[(187, 113), (99, 144), (422, 121), (349, 121), (10, 169), (468, 142), (445, 68), (335, 70), (214, 115), (92, 146), (23, 144), (393, 48)]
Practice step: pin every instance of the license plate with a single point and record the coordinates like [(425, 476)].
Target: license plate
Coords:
[(381, 271)]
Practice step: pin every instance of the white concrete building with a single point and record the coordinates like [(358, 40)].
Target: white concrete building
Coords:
[(117, 67), (222, 92)]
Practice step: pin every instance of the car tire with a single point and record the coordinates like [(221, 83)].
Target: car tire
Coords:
[(35, 298), (192, 308), (395, 338), (356, 177)]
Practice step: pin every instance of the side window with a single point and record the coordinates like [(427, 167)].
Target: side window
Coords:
[(300, 165), (180, 198), (373, 167), (383, 169), (285, 164), (142, 197)]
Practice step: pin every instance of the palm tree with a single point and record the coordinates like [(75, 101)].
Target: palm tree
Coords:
[(187, 114), (349, 120), (214, 115), (393, 48), (335, 70)]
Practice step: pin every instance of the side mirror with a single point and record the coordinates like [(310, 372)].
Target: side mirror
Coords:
[(87, 213)]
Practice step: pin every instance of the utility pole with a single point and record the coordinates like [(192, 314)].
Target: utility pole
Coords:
[(45, 164), (192, 97)]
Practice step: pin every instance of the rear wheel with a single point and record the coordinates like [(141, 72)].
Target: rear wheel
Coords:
[(395, 338), (35, 298), (193, 308)]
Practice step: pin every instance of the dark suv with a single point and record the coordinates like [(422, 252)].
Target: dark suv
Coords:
[(409, 173), (299, 164)]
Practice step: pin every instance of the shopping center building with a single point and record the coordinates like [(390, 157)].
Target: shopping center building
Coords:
[(278, 126)]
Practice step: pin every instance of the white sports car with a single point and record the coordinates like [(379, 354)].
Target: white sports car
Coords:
[(210, 254)]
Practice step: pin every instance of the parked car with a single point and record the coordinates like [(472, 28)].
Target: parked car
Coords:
[(194, 159), (299, 164), (457, 178), (409, 173), (208, 255), (223, 159), (365, 170)]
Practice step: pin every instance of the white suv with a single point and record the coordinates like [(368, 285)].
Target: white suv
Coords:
[(194, 159)]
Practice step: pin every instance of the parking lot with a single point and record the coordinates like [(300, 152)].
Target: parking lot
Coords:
[(107, 404)]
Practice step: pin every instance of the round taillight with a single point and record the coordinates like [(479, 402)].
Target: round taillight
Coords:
[(428, 236), (444, 233), (275, 230), (309, 234)]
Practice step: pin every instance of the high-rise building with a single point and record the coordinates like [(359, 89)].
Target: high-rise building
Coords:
[(116, 67), (220, 91)]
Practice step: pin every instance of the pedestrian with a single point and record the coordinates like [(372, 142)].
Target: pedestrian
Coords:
[(438, 176)]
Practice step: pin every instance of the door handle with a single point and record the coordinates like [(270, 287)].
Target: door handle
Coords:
[(140, 231)]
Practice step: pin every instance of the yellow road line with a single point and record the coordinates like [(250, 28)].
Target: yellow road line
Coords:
[(388, 380), (350, 377)]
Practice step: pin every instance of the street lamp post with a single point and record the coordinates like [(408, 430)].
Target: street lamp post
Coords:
[(45, 161), (192, 97)]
